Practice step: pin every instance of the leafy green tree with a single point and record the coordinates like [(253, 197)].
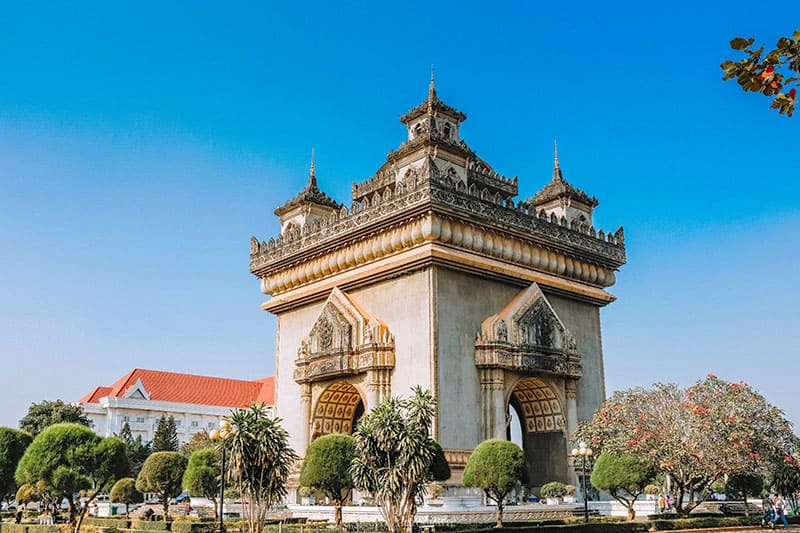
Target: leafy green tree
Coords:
[(498, 467), (45, 414), (199, 441), (162, 473), (66, 458), (696, 435), (136, 450), (12, 446), (124, 491), (326, 467), (202, 475), (394, 456), (625, 477), (785, 479), (769, 74), (165, 438), (260, 461), (744, 484)]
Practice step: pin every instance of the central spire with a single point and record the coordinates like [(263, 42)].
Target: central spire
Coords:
[(555, 145), (433, 105)]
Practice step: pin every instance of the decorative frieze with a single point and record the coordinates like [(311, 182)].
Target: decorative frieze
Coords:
[(496, 216)]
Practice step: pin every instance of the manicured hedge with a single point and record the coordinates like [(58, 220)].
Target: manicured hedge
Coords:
[(28, 528), (194, 527), (150, 525), (591, 527), (119, 522)]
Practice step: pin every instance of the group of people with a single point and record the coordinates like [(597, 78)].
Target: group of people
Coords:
[(774, 510), (49, 514)]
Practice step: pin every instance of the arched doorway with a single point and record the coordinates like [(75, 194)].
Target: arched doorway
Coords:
[(541, 429), (338, 409)]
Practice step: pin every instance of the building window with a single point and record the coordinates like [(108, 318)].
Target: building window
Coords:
[(195, 423), (140, 420), (210, 425), (126, 419), (178, 422)]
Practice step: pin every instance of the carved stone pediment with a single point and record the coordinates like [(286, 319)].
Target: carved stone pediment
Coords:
[(528, 336), (344, 340)]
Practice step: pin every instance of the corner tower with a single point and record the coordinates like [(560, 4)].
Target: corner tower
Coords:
[(435, 275)]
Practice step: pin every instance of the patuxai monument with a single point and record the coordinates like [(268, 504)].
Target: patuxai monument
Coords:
[(435, 274)]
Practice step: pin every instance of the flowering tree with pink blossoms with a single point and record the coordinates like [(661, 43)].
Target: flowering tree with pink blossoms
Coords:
[(695, 435)]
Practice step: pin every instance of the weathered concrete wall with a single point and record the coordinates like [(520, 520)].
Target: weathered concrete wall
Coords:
[(583, 320), (403, 303), (463, 301), (291, 327)]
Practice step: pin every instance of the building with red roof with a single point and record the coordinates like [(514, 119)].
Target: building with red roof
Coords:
[(141, 397)]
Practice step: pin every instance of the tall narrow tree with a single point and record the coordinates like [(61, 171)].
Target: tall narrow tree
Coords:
[(165, 438), (136, 450)]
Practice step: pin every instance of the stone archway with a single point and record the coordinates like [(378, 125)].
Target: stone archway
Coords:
[(338, 409), (542, 417)]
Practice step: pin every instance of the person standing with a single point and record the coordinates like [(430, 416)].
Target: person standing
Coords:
[(661, 504), (779, 505), (766, 505)]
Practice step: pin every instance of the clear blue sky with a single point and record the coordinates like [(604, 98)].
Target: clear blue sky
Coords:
[(141, 144)]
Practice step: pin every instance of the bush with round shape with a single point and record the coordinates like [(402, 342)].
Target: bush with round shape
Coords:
[(498, 467), (162, 473), (326, 467), (124, 491)]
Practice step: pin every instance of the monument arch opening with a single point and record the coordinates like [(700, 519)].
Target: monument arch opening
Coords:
[(543, 429), (338, 409)]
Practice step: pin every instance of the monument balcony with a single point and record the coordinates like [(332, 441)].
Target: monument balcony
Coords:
[(327, 365), (529, 359)]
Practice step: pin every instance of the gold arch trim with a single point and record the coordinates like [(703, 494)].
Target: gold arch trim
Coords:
[(336, 409), (540, 406)]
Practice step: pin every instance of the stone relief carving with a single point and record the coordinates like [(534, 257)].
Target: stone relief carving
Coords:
[(527, 336), (343, 341)]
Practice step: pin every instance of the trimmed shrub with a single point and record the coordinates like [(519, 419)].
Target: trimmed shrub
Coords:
[(553, 489), (151, 525), (107, 522)]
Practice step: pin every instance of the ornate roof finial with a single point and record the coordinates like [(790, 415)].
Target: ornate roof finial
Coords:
[(312, 178), (555, 144), (431, 93)]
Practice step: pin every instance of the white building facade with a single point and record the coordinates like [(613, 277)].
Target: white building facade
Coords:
[(197, 403)]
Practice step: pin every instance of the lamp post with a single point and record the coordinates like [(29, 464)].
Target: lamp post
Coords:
[(219, 435), (583, 452)]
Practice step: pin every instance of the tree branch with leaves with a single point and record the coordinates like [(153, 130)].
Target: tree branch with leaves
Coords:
[(774, 73)]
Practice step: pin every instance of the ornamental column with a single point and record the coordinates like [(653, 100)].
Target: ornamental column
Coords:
[(571, 393), (305, 400), (493, 413)]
